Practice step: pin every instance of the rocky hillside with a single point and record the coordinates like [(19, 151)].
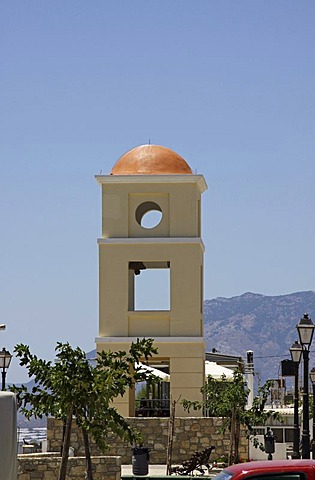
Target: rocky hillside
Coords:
[(261, 323)]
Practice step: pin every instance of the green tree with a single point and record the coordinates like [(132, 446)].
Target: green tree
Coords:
[(72, 387), (228, 399)]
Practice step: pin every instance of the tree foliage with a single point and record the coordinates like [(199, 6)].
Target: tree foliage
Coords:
[(71, 387), (228, 399)]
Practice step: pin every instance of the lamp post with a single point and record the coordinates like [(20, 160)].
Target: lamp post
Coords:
[(312, 377), (296, 353), (5, 360), (305, 329)]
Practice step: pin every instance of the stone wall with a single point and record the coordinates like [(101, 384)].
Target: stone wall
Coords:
[(190, 435), (36, 466)]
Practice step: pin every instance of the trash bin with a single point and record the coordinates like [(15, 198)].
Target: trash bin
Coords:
[(140, 460), (269, 443)]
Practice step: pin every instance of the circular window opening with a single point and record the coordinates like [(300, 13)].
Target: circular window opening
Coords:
[(149, 214)]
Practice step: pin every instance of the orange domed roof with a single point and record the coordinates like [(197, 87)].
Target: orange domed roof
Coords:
[(150, 160)]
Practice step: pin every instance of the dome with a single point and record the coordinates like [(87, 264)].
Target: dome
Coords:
[(150, 160)]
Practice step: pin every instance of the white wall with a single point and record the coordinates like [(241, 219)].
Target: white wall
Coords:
[(257, 454), (8, 440)]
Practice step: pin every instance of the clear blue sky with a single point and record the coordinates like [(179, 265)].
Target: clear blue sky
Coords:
[(229, 85)]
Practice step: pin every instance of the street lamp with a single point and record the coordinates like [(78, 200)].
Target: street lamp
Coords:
[(312, 377), (305, 330), (296, 353), (5, 360)]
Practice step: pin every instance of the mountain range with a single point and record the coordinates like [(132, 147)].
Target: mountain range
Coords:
[(264, 324)]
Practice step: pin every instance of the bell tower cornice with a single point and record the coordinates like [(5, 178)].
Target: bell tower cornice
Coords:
[(153, 179)]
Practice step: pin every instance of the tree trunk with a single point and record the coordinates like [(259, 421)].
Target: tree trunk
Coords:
[(65, 447), (88, 462), (63, 435), (237, 440), (170, 438), (232, 437)]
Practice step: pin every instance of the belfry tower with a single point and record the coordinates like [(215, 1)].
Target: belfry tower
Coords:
[(146, 180)]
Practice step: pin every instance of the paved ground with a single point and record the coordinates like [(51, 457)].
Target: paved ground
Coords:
[(153, 470), (161, 470)]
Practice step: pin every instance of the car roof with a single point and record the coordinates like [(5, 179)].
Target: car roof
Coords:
[(269, 465)]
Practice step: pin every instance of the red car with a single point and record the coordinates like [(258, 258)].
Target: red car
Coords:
[(270, 470)]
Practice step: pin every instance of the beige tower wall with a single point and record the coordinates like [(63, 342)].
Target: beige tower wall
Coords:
[(186, 368), (185, 316), (179, 200), (175, 242)]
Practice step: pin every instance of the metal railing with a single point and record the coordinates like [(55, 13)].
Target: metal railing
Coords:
[(155, 407)]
